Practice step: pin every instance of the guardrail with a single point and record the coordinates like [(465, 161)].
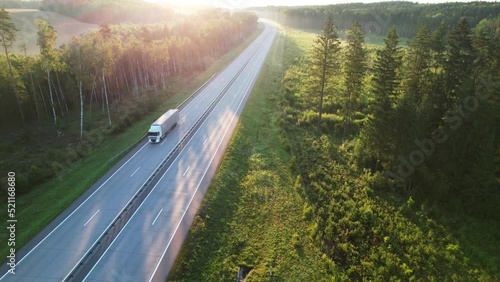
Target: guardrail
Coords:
[(97, 250)]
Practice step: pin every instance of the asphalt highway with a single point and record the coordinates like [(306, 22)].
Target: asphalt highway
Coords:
[(147, 245)]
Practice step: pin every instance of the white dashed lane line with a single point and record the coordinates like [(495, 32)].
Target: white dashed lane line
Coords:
[(135, 171), (91, 218), (186, 171)]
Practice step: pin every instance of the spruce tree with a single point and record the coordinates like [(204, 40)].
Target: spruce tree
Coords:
[(459, 65), (325, 57), (378, 135), (355, 68)]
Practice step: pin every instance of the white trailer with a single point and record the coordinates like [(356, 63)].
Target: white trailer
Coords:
[(163, 125)]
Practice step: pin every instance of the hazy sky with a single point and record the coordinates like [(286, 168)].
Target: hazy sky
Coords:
[(247, 3)]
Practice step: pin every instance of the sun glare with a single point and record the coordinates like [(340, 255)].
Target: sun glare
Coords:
[(228, 4)]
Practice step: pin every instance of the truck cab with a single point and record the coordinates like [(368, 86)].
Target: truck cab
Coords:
[(163, 125), (154, 134)]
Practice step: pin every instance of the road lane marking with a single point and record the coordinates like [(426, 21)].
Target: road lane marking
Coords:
[(163, 141), (197, 106), (177, 227), (39, 243), (203, 176), (186, 171), (91, 218), (206, 139), (76, 209), (182, 121), (135, 171), (227, 107), (218, 121), (156, 217)]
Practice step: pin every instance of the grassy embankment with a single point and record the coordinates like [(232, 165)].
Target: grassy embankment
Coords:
[(255, 215), (39, 207), (252, 214)]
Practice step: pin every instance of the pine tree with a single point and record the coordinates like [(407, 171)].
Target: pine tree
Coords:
[(325, 57), (355, 67), (378, 134), (8, 36), (459, 65)]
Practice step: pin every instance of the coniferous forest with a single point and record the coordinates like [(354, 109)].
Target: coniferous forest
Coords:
[(377, 18), (399, 148)]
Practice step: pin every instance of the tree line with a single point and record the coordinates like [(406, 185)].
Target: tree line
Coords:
[(371, 127), (99, 83), (377, 18), (108, 65)]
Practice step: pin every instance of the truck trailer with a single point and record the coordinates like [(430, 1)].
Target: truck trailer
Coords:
[(163, 125)]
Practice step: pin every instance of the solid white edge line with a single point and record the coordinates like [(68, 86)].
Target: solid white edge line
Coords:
[(156, 217), (135, 171), (73, 268), (123, 228), (117, 215), (77, 208), (187, 106), (203, 176), (90, 196), (91, 218), (138, 208)]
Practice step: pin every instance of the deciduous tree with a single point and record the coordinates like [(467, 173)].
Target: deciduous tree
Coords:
[(8, 36)]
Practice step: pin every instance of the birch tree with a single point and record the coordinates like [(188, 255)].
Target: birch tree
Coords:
[(46, 42)]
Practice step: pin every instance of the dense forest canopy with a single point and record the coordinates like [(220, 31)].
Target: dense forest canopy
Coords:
[(378, 18)]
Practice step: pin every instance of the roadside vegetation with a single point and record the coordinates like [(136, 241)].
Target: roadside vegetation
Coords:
[(319, 194), (58, 105), (253, 215), (75, 165)]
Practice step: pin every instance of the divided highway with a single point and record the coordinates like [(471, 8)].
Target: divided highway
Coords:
[(147, 244)]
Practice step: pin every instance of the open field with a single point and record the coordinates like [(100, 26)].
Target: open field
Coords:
[(24, 19)]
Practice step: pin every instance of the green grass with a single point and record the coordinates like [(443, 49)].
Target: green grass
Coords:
[(253, 212), (404, 237), (308, 35), (41, 205)]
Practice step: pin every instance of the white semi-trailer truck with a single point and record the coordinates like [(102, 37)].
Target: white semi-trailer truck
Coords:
[(163, 125)]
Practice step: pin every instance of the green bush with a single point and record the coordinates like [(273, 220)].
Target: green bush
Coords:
[(23, 184)]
